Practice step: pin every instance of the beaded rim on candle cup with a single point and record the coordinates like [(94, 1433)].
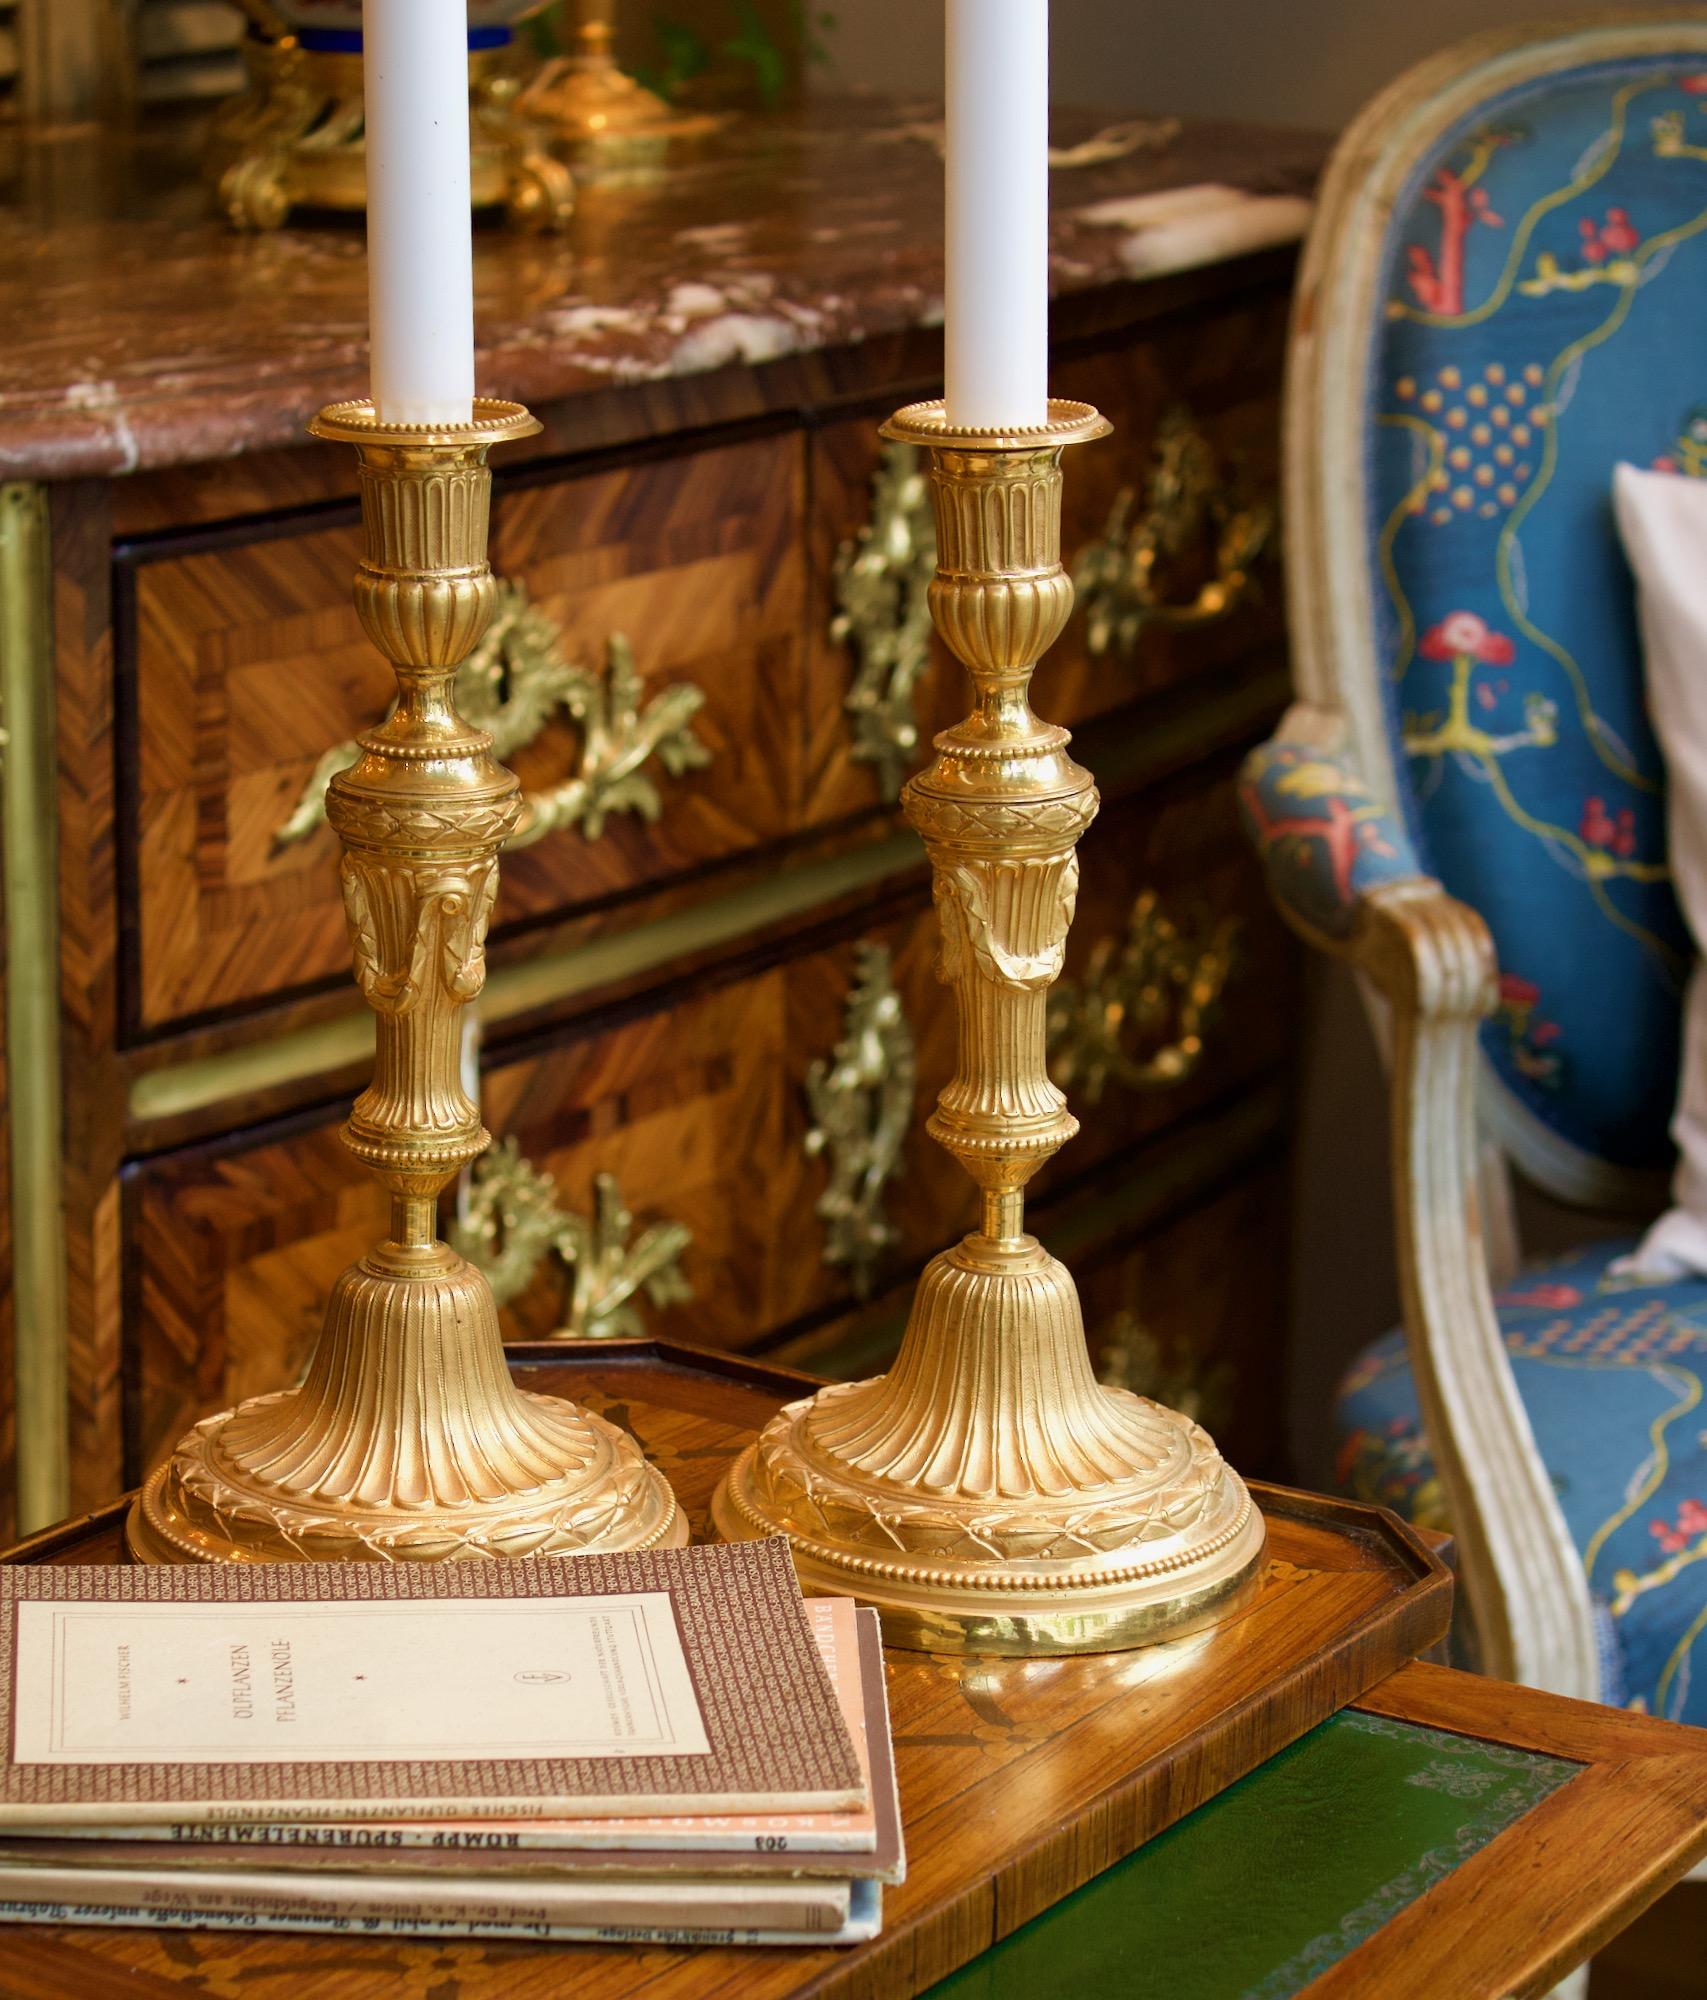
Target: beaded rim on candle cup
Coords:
[(494, 421), (927, 424)]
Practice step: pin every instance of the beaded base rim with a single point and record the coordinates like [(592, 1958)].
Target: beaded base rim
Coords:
[(1019, 1616), (1016, 1579), (251, 1520)]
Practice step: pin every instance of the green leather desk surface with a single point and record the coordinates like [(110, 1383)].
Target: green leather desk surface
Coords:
[(1284, 1873)]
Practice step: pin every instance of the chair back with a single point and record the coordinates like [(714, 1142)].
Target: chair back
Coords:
[(1504, 294)]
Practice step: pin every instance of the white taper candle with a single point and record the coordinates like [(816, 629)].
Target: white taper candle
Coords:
[(996, 308), (420, 249)]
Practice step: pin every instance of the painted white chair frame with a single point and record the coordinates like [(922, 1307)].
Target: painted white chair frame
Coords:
[(1425, 955)]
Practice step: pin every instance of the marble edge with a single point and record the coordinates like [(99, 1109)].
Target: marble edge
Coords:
[(1146, 236)]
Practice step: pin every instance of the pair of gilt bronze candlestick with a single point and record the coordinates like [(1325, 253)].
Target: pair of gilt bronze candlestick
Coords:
[(987, 1494)]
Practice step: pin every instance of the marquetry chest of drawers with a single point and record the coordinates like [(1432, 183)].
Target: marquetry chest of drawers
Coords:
[(712, 1026)]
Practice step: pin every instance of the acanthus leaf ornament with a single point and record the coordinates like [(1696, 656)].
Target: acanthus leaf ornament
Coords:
[(883, 615), (1187, 510), (621, 731), (514, 684), (1147, 999), (861, 1101), (515, 1222), (967, 900), (444, 914)]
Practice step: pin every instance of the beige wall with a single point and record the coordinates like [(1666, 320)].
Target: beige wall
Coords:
[(1281, 62)]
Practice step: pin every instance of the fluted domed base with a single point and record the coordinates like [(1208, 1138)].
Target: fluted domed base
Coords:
[(988, 1495), (407, 1442)]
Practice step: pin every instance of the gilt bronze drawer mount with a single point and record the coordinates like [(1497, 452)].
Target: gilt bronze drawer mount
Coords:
[(516, 682)]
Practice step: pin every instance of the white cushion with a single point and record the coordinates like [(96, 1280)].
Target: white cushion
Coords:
[(1662, 517)]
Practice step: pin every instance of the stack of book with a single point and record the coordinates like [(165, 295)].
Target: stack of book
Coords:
[(671, 1747)]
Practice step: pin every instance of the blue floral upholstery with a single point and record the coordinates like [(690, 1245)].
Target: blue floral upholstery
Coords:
[(1543, 298), (1611, 1375), (1323, 838)]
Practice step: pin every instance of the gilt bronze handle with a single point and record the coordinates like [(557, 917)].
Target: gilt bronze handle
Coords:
[(514, 684), (861, 1100), (514, 1223), (1130, 1356), (1188, 508), (1139, 1016)]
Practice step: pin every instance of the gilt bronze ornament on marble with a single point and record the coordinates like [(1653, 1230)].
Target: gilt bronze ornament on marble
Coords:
[(407, 1440), (294, 139), (988, 1495), (611, 124)]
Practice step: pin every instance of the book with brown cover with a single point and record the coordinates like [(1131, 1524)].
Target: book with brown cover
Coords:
[(807, 1844), (673, 1681)]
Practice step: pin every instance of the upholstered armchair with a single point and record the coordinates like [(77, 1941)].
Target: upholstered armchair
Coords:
[(1504, 294)]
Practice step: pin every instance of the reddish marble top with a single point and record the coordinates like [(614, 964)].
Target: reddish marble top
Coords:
[(141, 332)]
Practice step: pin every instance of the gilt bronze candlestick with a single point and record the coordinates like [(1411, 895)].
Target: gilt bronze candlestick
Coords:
[(988, 1495), (407, 1440)]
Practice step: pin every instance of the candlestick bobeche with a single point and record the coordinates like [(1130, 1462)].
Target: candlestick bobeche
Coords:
[(408, 1440), (988, 1494)]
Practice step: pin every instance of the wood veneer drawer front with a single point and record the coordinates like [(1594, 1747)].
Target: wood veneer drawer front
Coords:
[(1180, 982), (247, 662), (1193, 466), (746, 1115), (1194, 1314), (691, 1108), (699, 1105)]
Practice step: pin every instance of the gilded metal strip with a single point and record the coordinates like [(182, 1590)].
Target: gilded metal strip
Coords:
[(29, 831), (540, 982)]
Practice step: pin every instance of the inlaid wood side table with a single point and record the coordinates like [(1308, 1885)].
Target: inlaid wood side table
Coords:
[(1287, 1803)]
